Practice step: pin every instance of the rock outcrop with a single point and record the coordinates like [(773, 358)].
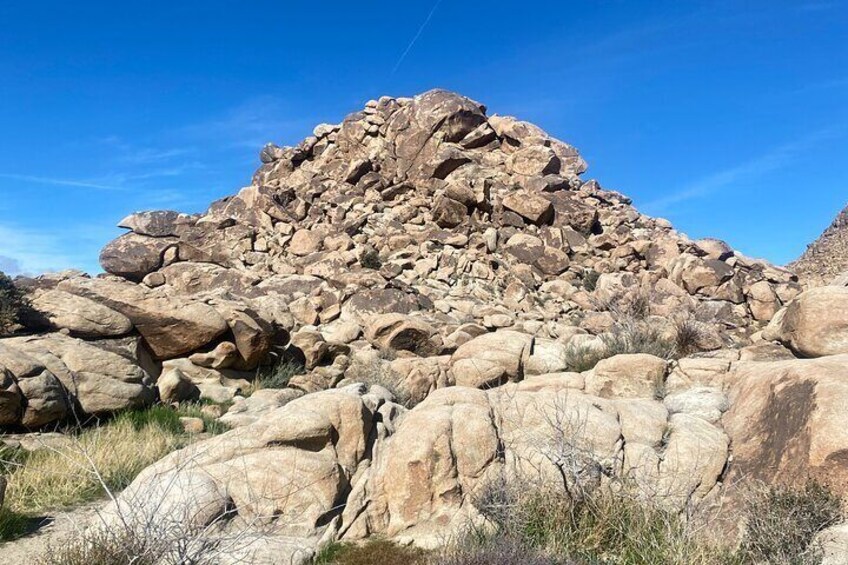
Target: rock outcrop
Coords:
[(416, 226), (825, 261)]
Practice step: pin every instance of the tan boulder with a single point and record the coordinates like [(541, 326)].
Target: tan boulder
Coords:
[(171, 326), (815, 324), (11, 400), (318, 441), (174, 386), (421, 376), (787, 421), (133, 256), (80, 316), (532, 207), (401, 333), (216, 385), (304, 242), (636, 375), (491, 358), (535, 160), (102, 381)]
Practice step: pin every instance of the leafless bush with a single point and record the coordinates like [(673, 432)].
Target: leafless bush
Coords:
[(782, 523)]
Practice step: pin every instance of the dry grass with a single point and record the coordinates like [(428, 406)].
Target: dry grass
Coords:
[(95, 459), (54, 478)]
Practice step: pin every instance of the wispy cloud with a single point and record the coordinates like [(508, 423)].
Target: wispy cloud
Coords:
[(248, 125), (57, 181), (770, 161)]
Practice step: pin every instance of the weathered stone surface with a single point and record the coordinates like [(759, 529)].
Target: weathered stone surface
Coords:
[(318, 441), (401, 332), (787, 421), (101, 381), (133, 256), (532, 207), (815, 324), (171, 327), (80, 316), (160, 223), (174, 386), (631, 375), (491, 358)]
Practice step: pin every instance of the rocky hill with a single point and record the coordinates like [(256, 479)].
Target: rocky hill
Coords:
[(826, 258), (464, 306)]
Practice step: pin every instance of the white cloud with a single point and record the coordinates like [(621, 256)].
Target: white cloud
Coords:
[(34, 251)]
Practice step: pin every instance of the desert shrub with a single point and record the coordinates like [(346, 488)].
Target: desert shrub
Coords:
[(549, 527), (13, 302), (581, 358), (634, 336), (590, 280), (374, 552), (689, 334), (278, 375), (625, 336), (370, 259), (782, 523)]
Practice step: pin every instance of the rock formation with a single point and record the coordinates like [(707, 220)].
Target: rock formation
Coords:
[(464, 255), (826, 259)]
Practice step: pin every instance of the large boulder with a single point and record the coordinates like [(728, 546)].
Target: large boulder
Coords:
[(133, 256), (171, 326), (80, 316), (99, 380), (637, 375), (491, 359), (401, 333), (282, 477), (787, 421), (815, 324)]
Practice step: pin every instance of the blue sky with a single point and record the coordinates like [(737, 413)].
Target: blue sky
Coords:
[(728, 118)]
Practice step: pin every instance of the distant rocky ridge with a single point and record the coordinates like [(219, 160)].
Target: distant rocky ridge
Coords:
[(826, 258), (463, 255)]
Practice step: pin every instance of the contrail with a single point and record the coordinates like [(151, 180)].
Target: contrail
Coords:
[(417, 35)]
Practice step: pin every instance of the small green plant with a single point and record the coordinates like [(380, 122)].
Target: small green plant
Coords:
[(277, 375), (782, 523), (370, 259), (373, 552), (13, 303), (590, 280)]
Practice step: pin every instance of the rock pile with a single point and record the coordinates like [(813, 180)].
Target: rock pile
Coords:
[(826, 260), (461, 258), (415, 225)]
